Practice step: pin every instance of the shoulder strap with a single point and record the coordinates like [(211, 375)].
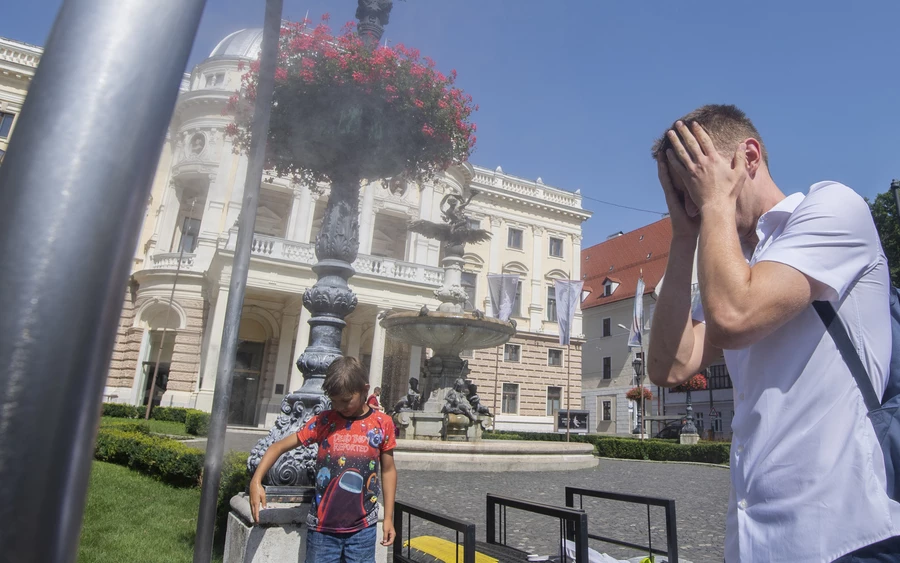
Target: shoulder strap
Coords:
[(842, 340)]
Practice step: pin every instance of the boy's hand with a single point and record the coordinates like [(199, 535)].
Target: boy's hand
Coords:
[(257, 498), (389, 533)]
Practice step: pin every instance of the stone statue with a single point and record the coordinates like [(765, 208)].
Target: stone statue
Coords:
[(455, 231), (456, 401), (475, 401), (412, 400)]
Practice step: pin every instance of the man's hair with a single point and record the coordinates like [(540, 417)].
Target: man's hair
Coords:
[(345, 376), (726, 125)]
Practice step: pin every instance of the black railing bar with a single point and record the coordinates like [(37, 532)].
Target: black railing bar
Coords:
[(419, 512), (626, 544), (655, 501), (538, 508), (649, 533)]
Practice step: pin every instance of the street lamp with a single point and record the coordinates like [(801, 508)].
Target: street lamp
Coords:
[(638, 365), (895, 189)]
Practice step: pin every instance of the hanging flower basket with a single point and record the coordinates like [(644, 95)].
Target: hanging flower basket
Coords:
[(339, 107), (695, 383), (634, 394)]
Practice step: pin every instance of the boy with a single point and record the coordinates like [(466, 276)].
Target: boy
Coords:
[(353, 441)]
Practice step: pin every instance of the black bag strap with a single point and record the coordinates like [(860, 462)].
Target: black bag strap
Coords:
[(838, 332)]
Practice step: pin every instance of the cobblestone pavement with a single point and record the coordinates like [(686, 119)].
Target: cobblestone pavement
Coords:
[(700, 494)]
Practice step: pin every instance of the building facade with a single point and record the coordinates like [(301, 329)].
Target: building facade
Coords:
[(184, 257), (18, 61), (611, 271)]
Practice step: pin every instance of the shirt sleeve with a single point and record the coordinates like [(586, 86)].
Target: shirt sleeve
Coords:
[(390, 435), (830, 238), (309, 433)]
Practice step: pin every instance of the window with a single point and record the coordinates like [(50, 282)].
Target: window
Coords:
[(512, 353), (215, 80), (469, 282), (554, 357), (517, 305), (510, 403), (607, 410), (514, 238), (551, 304), (607, 367), (607, 326), (474, 223), (715, 421), (6, 120), (556, 247), (554, 400), (189, 231), (2, 154), (607, 289)]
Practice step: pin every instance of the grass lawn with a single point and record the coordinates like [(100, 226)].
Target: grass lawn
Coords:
[(156, 426), (130, 517)]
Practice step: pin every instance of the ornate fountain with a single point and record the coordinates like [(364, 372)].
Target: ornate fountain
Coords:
[(451, 402)]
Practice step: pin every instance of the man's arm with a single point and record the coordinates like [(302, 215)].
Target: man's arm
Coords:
[(389, 490), (679, 347)]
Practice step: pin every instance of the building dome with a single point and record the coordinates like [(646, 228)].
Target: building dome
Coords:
[(244, 44)]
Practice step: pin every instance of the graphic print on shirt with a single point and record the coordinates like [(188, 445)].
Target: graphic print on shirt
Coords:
[(347, 483)]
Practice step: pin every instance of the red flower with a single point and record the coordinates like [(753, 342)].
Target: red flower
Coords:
[(326, 16), (419, 103)]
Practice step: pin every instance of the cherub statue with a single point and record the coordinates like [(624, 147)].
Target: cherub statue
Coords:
[(455, 230), (412, 399), (456, 401)]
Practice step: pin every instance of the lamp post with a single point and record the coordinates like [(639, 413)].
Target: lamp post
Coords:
[(895, 189), (689, 427), (638, 365)]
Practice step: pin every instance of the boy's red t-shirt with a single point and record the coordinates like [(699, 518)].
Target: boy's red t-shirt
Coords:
[(348, 462)]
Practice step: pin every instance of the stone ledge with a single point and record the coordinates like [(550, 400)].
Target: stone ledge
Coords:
[(492, 463), (496, 447)]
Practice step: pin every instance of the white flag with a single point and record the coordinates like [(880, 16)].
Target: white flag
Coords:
[(637, 323), (502, 288), (568, 296)]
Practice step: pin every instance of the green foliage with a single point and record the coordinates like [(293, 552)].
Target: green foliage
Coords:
[(884, 212), (631, 448), (235, 479), (168, 460), (172, 414), (120, 410), (196, 422)]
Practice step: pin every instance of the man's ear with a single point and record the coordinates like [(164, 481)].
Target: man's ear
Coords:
[(753, 156)]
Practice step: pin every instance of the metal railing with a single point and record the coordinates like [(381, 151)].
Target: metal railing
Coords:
[(671, 550), (572, 523), (459, 526)]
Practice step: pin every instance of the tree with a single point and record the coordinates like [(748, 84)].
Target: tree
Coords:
[(887, 221)]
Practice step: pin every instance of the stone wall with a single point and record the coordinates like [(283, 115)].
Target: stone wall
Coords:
[(127, 347), (185, 367)]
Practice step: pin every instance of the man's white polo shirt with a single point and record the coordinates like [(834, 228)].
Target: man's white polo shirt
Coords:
[(807, 474)]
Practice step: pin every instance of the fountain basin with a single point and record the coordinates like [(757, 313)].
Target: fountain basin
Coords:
[(448, 334)]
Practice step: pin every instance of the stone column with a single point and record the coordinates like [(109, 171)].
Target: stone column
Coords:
[(302, 215), (283, 366), (171, 207), (376, 368), (237, 193), (536, 310), (497, 239), (294, 218), (354, 340), (415, 361), (302, 340), (211, 354), (420, 243), (367, 219)]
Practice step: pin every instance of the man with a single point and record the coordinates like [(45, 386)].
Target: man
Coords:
[(374, 400), (807, 473)]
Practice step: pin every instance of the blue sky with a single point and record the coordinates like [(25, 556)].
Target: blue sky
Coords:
[(575, 91)]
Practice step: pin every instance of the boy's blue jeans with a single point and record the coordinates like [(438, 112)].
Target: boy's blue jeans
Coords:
[(355, 547)]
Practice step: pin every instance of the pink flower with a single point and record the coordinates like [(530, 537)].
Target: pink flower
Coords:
[(326, 16), (419, 103), (428, 130)]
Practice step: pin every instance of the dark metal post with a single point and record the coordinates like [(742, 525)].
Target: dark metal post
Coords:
[(215, 445), (689, 427), (895, 189), (74, 193)]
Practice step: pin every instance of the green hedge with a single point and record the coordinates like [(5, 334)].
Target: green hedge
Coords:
[(168, 460), (622, 447), (196, 422), (171, 462)]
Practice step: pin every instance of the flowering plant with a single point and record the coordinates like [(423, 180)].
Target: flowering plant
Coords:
[(340, 108), (634, 394), (695, 383)]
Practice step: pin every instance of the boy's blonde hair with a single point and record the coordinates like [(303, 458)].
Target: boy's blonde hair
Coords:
[(345, 376)]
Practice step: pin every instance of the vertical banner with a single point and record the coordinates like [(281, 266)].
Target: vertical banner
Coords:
[(637, 323), (568, 296), (502, 289)]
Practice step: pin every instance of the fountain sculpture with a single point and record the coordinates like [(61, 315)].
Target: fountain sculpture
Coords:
[(451, 406)]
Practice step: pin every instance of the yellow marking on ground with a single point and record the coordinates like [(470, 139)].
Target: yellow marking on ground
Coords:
[(445, 550)]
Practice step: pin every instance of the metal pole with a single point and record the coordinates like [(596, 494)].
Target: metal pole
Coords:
[(568, 392), (496, 383), (74, 193), (162, 339), (215, 445), (895, 189)]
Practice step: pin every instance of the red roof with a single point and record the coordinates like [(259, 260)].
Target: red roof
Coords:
[(622, 259)]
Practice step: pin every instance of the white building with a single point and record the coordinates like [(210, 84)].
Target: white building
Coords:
[(194, 204)]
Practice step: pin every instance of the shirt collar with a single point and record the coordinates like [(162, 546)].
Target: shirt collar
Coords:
[(770, 220)]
